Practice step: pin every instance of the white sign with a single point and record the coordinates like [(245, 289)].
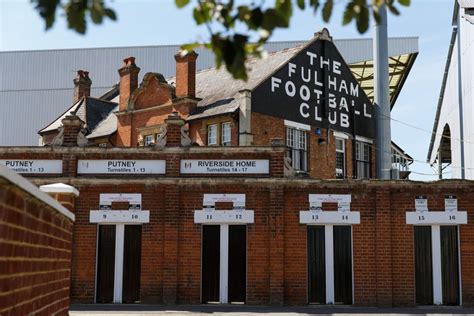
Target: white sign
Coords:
[(121, 166), (421, 203), (225, 166), (238, 200), (223, 217), (436, 218), (34, 166), (328, 218), (104, 216), (343, 201), (133, 199), (450, 203)]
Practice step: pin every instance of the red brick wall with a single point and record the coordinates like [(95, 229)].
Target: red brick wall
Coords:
[(35, 255)]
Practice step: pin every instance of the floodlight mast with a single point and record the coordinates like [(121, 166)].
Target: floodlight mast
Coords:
[(381, 93)]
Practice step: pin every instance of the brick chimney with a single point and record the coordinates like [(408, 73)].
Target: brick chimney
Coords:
[(173, 129), (186, 74), (128, 81), (82, 85), (72, 125)]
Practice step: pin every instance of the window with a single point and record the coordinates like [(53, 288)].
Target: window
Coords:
[(225, 134), (340, 159), (296, 141), (363, 160), (148, 140), (212, 134)]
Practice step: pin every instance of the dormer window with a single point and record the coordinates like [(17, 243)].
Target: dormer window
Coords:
[(225, 134), (148, 140), (212, 135)]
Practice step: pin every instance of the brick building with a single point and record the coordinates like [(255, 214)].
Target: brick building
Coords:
[(206, 190)]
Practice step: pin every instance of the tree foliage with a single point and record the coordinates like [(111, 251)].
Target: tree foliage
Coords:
[(236, 31)]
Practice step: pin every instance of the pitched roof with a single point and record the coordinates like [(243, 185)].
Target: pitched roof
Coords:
[(90, 110)]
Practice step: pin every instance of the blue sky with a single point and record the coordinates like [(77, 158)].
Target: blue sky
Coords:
[(159, 22)]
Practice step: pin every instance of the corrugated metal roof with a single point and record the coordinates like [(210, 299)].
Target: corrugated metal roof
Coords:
[(36, 86)]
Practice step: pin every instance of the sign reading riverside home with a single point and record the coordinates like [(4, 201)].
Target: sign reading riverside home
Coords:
[(317, 88), (121, 166), (33, 166), (225, 166)]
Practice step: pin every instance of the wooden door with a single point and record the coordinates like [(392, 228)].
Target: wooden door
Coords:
[(131, 263), (105, 264), (342, 264), (210, 263), (316, 265), (450, 265), (237, 280), (423, 265)]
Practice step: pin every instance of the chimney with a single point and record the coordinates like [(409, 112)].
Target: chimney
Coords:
[(82, 85), (128, 81), (186, 74)]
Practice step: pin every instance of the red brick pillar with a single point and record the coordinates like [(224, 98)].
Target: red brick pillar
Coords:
[(383, 248), (66, 195), (277, 158), (170, 245), (72, 125), (173, 130), (277, 246)]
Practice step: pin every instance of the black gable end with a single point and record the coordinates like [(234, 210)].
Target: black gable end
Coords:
[(316, 87)]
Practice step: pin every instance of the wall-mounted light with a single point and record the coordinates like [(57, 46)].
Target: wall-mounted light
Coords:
[(317, 131), (321, 141)]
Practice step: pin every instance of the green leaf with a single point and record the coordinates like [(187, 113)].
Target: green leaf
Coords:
[(300, 4), (348, 14), (96, 15), (327, 10), (393, 10), (110, 14), (405, 3), (363, 20), (181, 3)]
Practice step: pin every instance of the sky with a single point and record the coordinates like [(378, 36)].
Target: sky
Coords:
[(159, 22)]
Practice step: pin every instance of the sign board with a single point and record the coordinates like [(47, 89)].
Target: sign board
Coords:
[(317, 88), (421, 203), (436, 218), (450, 203), (225, 166), (224, 217), (34, 166), (133, 199), (238, 200), (104, 216), (328, 218), (121, 166), (343, 201)]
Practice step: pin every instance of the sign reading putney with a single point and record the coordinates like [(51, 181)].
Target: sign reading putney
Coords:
[(316, 87)]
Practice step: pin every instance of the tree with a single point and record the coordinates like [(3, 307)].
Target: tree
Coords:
[(222, 18)]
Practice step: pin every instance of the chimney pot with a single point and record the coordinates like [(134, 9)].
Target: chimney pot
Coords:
[(82, 85), (128, 81)]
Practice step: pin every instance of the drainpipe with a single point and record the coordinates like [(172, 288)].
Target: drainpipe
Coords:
[(460, 99)]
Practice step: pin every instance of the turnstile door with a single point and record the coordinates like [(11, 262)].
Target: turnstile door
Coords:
[(450, 265), (342, 264), (316, 265), (105, 264), (423, 265), (210, 263), (237, 263), (131, 264)]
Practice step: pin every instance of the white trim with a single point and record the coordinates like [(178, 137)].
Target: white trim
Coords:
[(329, 254), (224, 264), (30, 188), (297, 125), (340, 135), (118, 273), (364, 139), (59, 188), (436, 257)]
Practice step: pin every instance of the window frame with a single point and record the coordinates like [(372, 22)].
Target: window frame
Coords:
[(361, 146), (146, 138), (343, 152), (297, 147), (223, 142), (216, 136)]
